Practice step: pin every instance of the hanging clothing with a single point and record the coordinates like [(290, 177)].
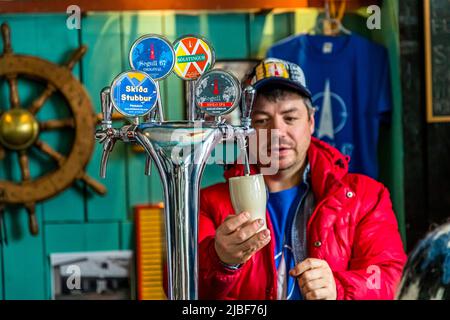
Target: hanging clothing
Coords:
[(349, 79)]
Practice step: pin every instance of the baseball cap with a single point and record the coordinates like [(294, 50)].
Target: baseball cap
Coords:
[(277, 71)]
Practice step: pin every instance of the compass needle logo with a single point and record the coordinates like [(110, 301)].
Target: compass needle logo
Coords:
[(331, 119), (326, 127), (332, 113)]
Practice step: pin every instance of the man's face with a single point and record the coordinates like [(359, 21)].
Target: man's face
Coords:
[(283, 129)]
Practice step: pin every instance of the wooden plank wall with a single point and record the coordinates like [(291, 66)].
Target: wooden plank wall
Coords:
[(78, 219)]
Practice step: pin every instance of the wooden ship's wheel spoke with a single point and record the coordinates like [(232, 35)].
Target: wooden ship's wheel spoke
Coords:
[(32, 220), (75, 57), (37, 103), (6, 35), (24, 165), (13, 91), (2, 150), (59, 158), (56, 124), (30, 206), (55, 155), (115, 116)]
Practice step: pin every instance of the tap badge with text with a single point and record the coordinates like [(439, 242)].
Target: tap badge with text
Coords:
[(154, 55), (134, 93), (217, 92), (193, 57)]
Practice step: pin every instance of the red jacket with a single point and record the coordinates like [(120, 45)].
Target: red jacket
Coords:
[(352, 227)]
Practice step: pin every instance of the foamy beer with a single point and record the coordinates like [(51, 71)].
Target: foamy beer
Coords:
[(248, 193)]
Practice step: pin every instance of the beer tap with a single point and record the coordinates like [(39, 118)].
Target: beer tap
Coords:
[(107, 108), (152, 118), (179, 149), (248, 97), (107, 135)]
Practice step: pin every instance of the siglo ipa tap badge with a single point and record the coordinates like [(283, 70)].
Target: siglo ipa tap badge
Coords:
[(217, 92)]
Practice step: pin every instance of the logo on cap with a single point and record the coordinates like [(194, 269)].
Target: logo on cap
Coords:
[(276, 69)]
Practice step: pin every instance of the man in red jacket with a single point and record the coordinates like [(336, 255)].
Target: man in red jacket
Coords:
[(331, 234)]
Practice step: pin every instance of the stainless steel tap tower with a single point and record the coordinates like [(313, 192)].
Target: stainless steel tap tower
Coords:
[(179, 149)]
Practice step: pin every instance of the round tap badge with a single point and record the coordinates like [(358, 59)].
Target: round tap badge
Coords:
[(217, 92), (154, 55), (133, 93), (193, 57)]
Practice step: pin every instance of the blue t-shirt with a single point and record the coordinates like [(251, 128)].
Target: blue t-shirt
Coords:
[(282, 207), (349, 79)]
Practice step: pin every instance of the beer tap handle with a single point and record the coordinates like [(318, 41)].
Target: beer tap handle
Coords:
[(148, 165), (248, 97), (107, 135), (107, 108), (108, 146)]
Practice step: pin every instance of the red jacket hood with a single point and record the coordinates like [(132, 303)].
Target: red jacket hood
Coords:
[(327, 164)]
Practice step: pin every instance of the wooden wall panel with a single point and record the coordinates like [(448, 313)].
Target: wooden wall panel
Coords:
[(234, 28), (24, 250), (265, 30), (127, 236), (78, 237), (134, 26), (390, 150), (24, 258), (103, 61)]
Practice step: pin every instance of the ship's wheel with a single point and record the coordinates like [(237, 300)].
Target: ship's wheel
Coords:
[(21, 130)]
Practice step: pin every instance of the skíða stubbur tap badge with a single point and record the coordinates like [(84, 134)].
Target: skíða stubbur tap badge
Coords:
[(217, 92), (154, 55), (134, 93), (193, 57)]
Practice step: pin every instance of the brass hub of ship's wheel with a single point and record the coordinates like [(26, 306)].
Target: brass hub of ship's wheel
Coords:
[(20, 129)]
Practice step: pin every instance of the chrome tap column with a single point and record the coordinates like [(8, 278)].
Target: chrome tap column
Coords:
[(180, 149)]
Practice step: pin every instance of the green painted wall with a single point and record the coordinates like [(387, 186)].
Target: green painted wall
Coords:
[(80, 220)]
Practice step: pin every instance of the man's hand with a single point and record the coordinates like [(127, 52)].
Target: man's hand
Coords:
[(315, 279), (237, 239)]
